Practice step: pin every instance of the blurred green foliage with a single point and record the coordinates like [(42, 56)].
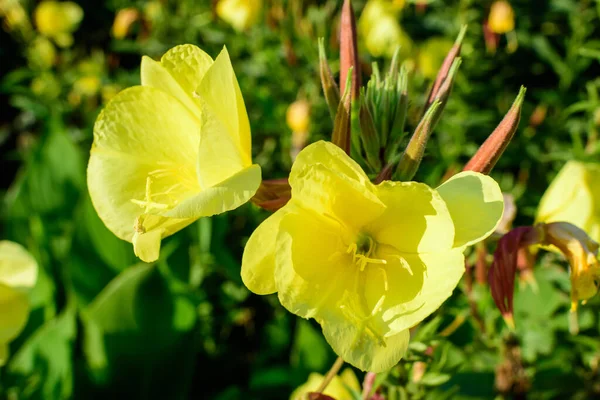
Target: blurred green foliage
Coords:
[(105, 325)]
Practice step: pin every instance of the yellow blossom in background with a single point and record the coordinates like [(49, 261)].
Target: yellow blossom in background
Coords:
[(502, 17), (340, 388), (123, 22), (367, 261), (241, 14), (432, 54), (58, 20), (15, 17), (41, 53), (18, 274), (109, 91), (297, 116), (172, 150), (379, 27), (46, 85), (574, 196)]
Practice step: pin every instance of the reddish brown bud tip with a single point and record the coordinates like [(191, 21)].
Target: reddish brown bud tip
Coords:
[(501, 275), (273, 194), (490, 151), (349, 50)]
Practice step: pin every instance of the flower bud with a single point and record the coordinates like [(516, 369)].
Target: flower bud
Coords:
[(502, 17), (490, 151), (330, 87), (348, 51)]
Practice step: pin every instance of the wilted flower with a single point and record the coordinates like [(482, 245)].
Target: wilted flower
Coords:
[(241, 14), (58, 20), (574, 196), (367, 261), (173, 150), (502, 17), (381, 30), (18, 274), (340, 387)]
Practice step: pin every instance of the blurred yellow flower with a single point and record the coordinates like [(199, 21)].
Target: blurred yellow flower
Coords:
[(241, 14), (173, 150), (18, 274), (297, 116), (41, 53), (574, 196), (58, 20), (432, 54), (87, 86), (46, 85), (123, 22), (367, 261), (340, 387), (502, 17), (109, 91), (382, 33)]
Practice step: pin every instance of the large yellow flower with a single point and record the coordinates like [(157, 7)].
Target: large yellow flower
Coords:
[(574, 196), (18, 273), (173, 150), (367, 261)]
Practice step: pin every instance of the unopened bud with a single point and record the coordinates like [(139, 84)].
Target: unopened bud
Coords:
[(368, 134), (444, 71), (341, 125), (412, 156), (330, 87), (348, 50), (490, 151)]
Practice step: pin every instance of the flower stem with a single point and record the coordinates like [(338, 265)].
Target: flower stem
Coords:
[(333, 371)]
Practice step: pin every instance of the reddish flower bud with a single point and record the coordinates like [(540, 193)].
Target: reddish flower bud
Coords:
[(348, 50)]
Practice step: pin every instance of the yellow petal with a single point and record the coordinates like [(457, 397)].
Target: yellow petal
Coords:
[(225, 196), (18, 268), (574, 196), (359, 348), (14, 310), (147, 245), (337, 388), (142, 131), (325, 180), (312, 265), (416, 218), (415, 288), (258, 260), (178, 73), (476, 204), (220, 93)]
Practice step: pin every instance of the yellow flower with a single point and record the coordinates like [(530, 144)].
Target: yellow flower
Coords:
[(241, 14), (340, 387), (381, 30), (367, 261), (297, 116), (574, 196), (172, 150), (18, 273), (57, 20), (123, 22), (582, 253), (502, 17)]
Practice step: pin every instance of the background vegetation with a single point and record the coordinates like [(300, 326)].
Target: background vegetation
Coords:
[(104, 324)]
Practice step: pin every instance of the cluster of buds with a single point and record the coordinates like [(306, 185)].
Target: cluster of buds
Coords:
[(578, 248)]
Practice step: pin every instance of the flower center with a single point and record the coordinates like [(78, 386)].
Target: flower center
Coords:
[(362, 250)]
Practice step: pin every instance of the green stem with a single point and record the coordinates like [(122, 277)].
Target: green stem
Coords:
[(333, 371)]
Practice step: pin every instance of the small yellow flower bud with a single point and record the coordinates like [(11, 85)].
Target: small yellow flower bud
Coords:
[(123, 22), (241, 14), (502, 17), (298, 116)]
